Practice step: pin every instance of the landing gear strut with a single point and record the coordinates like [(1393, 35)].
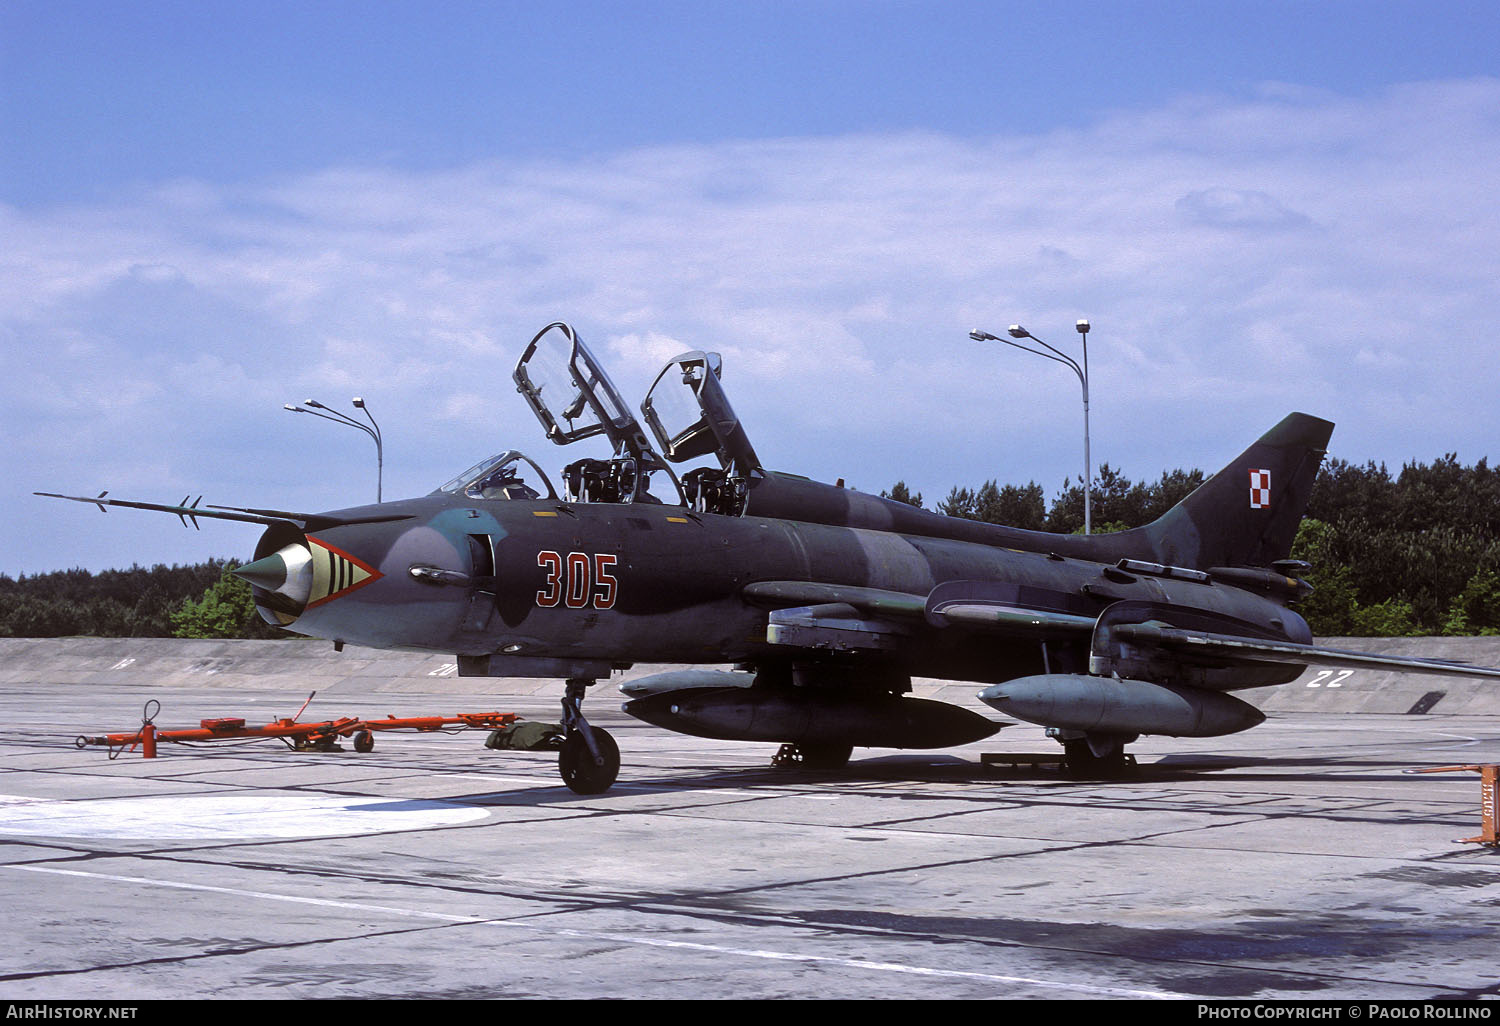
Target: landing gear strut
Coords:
[(589, 760), (812, 756), (1095, 756)]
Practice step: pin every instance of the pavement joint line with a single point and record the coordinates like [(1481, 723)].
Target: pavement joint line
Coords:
[(718, 949)]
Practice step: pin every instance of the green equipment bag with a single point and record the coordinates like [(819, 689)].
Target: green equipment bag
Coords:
[(525, 736)]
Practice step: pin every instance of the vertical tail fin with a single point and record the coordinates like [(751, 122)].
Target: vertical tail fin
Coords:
[(1247, 514)]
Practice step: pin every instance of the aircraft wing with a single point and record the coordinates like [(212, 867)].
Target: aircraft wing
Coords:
[(831, 616), (1229, 648), (995, 614)]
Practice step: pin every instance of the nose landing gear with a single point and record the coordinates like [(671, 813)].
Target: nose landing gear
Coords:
[(589, 759)]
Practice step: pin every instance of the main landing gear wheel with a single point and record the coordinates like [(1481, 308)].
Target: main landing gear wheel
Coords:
[(580, 770)]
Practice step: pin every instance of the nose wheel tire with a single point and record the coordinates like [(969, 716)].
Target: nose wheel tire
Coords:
[(580, 771)]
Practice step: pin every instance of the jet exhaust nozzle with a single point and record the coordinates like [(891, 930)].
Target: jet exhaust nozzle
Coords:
[(1076, 701)]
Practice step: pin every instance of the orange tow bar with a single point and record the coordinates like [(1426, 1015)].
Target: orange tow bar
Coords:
[(321, 736), (1489, 783)]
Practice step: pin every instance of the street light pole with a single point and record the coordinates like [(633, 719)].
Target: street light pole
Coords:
[(359, 404), (373, 430), (1058, 356)]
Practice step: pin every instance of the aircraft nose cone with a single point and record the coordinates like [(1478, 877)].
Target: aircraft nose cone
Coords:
[(268, 573), (287, 571)]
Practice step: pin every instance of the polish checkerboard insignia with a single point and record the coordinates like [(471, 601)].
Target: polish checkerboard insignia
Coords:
[(1260, 489)]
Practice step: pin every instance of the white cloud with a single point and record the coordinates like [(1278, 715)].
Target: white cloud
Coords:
[(644, 353), (1238, 258)]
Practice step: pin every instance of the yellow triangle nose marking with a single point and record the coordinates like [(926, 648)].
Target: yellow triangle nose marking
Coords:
[(336, 572)]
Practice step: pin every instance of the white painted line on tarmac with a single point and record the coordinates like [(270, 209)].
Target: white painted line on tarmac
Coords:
[(218, 817), (486, 778), (617, 938), (538, 783), (1467, 741)]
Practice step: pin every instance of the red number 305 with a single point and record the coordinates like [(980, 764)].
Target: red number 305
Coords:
[(578, 580)]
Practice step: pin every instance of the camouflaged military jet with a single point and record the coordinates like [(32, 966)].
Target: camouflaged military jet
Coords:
[(824, 601)]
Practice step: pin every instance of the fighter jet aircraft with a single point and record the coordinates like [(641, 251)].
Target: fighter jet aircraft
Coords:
[(823, 601)]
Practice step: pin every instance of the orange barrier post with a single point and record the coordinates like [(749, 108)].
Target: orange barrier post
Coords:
[(1488, 777), (1489, 784)]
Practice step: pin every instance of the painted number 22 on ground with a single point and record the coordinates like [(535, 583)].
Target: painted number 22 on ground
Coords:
[(1330, 678)]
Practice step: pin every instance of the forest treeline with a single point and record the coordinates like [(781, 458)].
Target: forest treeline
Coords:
[(1416, 552), (202, 600)]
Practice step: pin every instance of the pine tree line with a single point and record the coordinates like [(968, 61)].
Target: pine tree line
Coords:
[(194, 601)]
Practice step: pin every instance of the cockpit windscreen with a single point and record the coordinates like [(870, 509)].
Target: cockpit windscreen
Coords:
[(510, 475)]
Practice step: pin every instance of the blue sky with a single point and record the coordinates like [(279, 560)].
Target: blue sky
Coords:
[(100, 94), (208, 210)]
